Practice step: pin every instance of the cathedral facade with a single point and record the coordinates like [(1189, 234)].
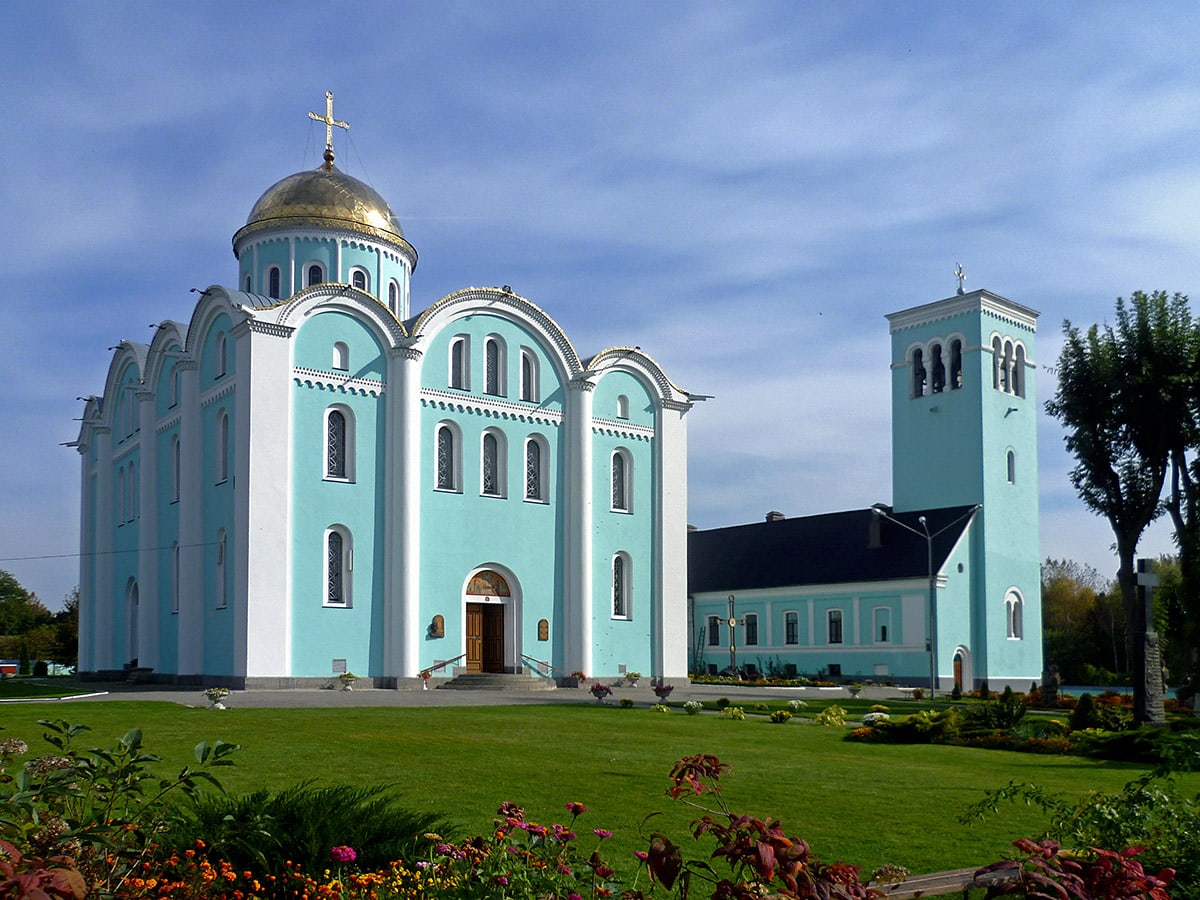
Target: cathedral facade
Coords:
[(942, 587), (307, 477)]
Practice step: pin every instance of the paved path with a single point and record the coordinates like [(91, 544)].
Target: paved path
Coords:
[(317, 698)]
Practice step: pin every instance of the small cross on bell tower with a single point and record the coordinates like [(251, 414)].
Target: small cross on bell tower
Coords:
[(330, 122), (958, 272)]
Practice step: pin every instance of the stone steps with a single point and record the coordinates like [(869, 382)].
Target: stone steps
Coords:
[(497, 681)]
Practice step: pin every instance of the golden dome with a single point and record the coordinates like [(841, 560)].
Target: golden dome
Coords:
[(324, 196)]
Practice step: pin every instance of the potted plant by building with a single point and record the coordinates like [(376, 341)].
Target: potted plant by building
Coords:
[(347, 680), (215, 695), (632, 678)]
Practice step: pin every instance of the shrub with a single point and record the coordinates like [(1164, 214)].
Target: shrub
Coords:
[(722, 702), (733, 712), (874, 718), (693, 707), (878, 707), (832, 715), (660, 708), (797, 705), (626, 703), (761, 707), (780, 716), (918, 694)]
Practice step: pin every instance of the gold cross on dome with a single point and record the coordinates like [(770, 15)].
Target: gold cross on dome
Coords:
[(329, 121)]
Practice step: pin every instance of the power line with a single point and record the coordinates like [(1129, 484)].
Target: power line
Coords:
[(4, 559)]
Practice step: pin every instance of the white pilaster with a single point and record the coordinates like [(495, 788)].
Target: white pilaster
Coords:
[(147, 513), (191, 525), (669, 653), (262, 591), (577, 608), (402, 611)]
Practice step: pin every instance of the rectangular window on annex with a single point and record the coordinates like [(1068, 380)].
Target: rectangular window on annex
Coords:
[(751, 629), (835, 626), (714, 631)]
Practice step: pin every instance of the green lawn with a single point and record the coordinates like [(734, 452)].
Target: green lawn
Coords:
[(866, 803)]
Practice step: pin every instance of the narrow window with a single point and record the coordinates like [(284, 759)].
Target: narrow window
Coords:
[(492, 481), (222, 447), (997, 362), (175, 469), (174, 576), (1012, 467), (791, 628), (359, 279), (751, 630), (835, 626), (714, 631), (174, 397), (335, 445), (955, 365), (221, 354), (918, 373), (529, 379), (493, 361), (1014, 614), (222, 592), (394, 297), (273, 282), (622, 407), (939, 369), (458, 364), (121, 495), (447, 460), (1018, 374), (533, 470), (132, 487), (620, 482), (335, 581), (883, 621), (315, 275), (341, 356), (247, 287), (620, 587), (1006, 370)]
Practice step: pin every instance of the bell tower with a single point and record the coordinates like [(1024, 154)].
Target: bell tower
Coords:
[(964, 432)]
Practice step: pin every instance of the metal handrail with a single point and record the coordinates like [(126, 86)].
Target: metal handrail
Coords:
[(541, 662), (443, 664)]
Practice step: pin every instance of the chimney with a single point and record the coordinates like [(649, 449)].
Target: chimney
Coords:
[(775, 516)]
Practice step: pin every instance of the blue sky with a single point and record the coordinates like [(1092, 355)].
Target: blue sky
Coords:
[(743, 189)]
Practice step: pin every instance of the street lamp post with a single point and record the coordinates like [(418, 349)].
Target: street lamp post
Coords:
[(925, 533)]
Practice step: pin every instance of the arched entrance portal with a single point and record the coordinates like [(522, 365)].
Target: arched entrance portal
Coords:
[(487, 595), (963, 678)]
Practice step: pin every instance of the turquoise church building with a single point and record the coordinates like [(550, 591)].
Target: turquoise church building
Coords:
[(309, 477), (848, 595)]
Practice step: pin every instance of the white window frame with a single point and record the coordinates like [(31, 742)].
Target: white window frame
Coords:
[(341, 356), (501, 461), (622, 590), (222, 356), (458, 368), (359, 271), (455, 462), (795, 614), (622, 406), (543, 493), (832, 615), (1014, 615), (881, 616), (307, 272), (348, 448), (623, 503), (394, 296), (222, 572), (530, 377), (495, 371), (274, 291), (746, 620), (713, 637)]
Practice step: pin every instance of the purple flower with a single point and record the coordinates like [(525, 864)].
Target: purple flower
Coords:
[(641, 854), (574, 897), (662, 691), (575, 808), (500, 879), (601, 833), (343, 854)]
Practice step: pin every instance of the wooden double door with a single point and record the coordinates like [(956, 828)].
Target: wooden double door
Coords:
[(485, 637)]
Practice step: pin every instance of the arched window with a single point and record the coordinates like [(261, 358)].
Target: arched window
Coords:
[(955, 365), (997, 362), (394, 296), (341, 356), (1013, 615), (174, 395), (222, 447), (791, 627), (1018, 372), (492, 465), (622, 476), (620, 586), (448, 461), (338, 444), (121, 496), (939, 368), (175, 576), (750, 626), (360, 279), (339, 560), (222, 585), (622, 406), (176, 471), (833, 619), (273, 282), (131, 487), (1006, 369), (460, 354), (1012, 467), (882, 616), (713, 631), (247, 286), (222, 354), (918, 372), (529, 377), (316, 274), (535, 470), (493, 367)]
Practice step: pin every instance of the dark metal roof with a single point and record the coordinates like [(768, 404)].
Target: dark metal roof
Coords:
[(833, 548)]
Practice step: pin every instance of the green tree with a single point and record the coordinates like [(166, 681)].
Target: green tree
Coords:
[(20, 610), (1075, 631), (1124, 397)]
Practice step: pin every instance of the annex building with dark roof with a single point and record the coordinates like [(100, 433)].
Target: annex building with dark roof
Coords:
[(943, 584)]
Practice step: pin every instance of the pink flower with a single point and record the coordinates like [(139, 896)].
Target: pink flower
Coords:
[(641, 854), (575, 808), (601, 833), (343, 854)]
